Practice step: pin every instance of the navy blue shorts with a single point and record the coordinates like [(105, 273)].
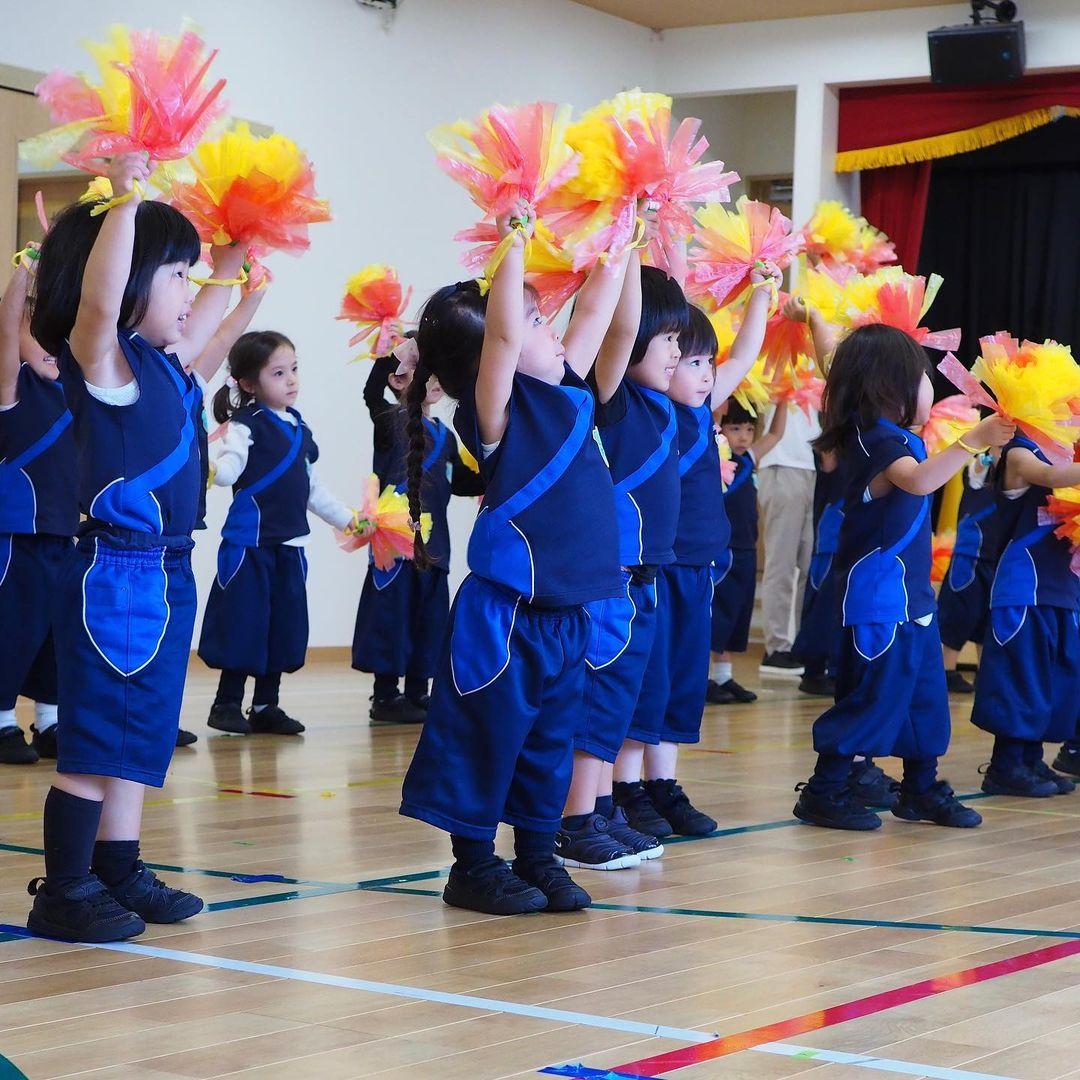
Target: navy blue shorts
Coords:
[(672, 698), (891, 698), (30, 571), (821, 630), (1028, 686), (401, 620), (123, 627), (508, 696), (621, 633), (733, 602), (964, 613), (256, 619)]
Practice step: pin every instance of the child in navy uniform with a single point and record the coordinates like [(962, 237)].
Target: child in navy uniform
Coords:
[(964, 596), (891, 697), (256, 621), (39, 513), (508, 693), (403, 612), (111, 296), (1028, 683), (736, 572)]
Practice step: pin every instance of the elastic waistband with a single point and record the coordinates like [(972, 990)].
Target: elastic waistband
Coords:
[(103, 549), (120, 539)]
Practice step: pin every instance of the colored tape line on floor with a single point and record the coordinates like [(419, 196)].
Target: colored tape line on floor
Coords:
[(869, 1061)]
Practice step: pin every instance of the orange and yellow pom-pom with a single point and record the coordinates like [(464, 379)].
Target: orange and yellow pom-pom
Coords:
[(798, 385), (375, 301), (951, 418), (383, 522), (835, 237), (1062, 510), (941, 553), (901, 300)]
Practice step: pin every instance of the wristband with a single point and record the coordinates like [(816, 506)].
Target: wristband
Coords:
[(971, 449)]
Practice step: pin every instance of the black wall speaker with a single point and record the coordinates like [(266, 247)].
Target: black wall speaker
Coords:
[(968, 55)]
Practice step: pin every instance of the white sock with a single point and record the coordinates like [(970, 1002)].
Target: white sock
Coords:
[(44, 716), (7, 719), (720, 671)]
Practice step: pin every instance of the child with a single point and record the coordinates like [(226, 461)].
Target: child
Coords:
[(403, 612), (1028, 683), (733, 594), (671, 702), (39, 513), (964, 597), (890, 687), (111, 296), (508, 692), (256, 620)]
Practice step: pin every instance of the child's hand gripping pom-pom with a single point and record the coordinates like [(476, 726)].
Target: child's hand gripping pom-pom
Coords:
[(383, 522)]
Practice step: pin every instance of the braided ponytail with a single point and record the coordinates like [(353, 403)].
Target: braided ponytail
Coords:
[(414, 461)]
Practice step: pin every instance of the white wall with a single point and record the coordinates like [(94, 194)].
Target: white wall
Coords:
[(360, 100)]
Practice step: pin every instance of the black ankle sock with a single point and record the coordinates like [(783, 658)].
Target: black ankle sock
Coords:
[(230, 691), (830, 774), (919, 774), (531, 846), (386, 687), (415, 687), (469, 852), (114, 860), (70, 826), (573, 822), (1008, 753), (1033, 753), (659, 789), (267, 690), (605, 804)]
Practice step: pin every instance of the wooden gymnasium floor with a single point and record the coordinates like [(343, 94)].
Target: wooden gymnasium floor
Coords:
[(915, 951)]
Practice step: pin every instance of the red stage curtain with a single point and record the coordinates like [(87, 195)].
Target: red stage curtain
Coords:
[(894, 200)]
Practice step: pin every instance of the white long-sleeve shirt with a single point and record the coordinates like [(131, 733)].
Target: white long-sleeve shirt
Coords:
[(229, 456)]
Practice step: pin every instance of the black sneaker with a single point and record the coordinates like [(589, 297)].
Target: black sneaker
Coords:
[(593, 847), (818, 686), (780, 662), (84, 911), (229, 719), (871, 785), (44, 741), (14, 749), (1021, 782), (640, 813), (421, 702), (728, 693), (957, 684), (562, 892), (937, 804), (1068, 760), (143, 892), (397, 710), (185, 738), (674, 806), (839, 811), (492, 888), (641, 844), (273, 721), (1064, 785)]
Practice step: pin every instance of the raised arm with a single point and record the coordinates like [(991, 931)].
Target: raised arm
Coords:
[(504, 330), (618, 343), (1023, 468), (593, 310), (746, 347), (93, 340), (777, 427), (12, 308), (209, 307), (229, 329), (924, 478)]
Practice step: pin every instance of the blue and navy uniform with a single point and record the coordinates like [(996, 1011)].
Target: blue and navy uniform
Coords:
[(891, 697), (964, 597), (817, 644), (638, 429), (403, 612), (510, 685), (256, 620), (736, 573), (672, 698), (1029, 675), (126, 606), (39, 513)]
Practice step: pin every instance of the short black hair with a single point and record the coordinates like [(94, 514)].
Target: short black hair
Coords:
[(699, 337), (163, 236), (737, 413), (664, 310)]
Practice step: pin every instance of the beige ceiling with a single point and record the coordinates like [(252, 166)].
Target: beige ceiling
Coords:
[(669, 14)]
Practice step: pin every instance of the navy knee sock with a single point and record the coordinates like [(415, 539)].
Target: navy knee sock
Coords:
[(1008, 753), (386, 687), (114, 860), (70, 826), (531, 846), (919, 775), (468, 852), (1032, 753), (831, 774), (267, 690), (230, 691), (415, 687)]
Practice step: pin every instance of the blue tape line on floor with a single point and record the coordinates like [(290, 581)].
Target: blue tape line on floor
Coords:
[(583, 1072)]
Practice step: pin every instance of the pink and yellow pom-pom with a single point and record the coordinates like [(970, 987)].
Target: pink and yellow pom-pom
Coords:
[(941, 553), (376, 302), (1062, 510), (382, 521), (951, 418), (798, 385), (901, 300), (834, 237)]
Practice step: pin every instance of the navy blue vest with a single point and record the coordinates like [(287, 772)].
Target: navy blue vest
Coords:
[(1034, 564), (884, 553), (547, 527), (830, 489), (140, 467), (38, 489), (741, 502), (270, 496), (702, 532), (638, 428)]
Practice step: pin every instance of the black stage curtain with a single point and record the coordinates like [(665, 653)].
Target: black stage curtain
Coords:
[(1003, 230)]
